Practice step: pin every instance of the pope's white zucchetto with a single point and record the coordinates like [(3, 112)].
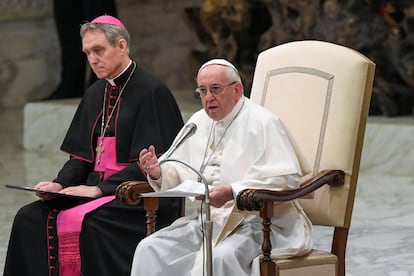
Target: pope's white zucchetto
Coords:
[(218, 61)]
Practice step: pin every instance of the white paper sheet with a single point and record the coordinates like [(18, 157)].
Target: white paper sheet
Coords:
[(188, 188)]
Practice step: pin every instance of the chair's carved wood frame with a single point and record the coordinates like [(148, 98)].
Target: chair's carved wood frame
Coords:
[(262, 200), (130, 192)]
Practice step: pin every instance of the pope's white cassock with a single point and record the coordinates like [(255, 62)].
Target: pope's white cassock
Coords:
[(249, 148)]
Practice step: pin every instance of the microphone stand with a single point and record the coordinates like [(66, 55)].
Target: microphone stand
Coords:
[(208, 225)]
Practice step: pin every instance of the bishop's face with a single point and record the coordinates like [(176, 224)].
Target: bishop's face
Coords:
[(105, 59)]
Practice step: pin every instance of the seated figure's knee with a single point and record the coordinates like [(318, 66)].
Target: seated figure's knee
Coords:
[(27, 212), (23, 212), (144, 243), (223, 253), (145, 248)]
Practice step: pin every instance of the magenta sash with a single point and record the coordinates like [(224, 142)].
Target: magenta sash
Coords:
[(69, 222), (108, 164)]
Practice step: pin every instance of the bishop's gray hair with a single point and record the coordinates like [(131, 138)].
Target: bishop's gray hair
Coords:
[(112, 32)]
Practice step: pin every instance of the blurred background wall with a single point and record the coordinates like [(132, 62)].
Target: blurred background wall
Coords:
[(172, 38), (30, 52)]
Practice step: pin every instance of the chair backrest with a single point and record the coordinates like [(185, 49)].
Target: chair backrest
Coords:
[(321, 91)]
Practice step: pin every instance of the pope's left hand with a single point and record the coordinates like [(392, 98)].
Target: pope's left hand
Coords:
[(219, 195)]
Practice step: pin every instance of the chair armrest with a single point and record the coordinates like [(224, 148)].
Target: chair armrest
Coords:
[(129, 192), (253, 200)]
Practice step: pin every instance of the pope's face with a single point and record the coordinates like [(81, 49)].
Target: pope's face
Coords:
[(104, 58), (218, 106)]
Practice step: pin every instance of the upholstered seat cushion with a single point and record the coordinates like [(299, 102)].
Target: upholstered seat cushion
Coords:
[(315, 263)]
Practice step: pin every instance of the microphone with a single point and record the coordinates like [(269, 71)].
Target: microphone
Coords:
[(187, 132), (208, 224)]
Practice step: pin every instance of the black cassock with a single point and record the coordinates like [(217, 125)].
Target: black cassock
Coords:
[(146, 114)]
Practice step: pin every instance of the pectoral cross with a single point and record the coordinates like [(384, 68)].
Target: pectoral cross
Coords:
[(99, 149)]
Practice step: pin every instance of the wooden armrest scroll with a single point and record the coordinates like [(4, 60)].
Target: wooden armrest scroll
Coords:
[(130, 192), (253, 200)]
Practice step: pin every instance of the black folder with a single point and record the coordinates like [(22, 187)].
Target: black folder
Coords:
[(29, 189)]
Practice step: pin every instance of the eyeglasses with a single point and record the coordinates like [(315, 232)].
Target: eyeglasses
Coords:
[(215, 89)]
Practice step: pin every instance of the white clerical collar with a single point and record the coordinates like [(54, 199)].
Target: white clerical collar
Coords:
[(233, 113), (112, 81)]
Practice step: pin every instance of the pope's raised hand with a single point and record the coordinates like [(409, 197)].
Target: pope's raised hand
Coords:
[(149, 162)]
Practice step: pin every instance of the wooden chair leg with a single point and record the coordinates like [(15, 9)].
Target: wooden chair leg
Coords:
[(151, 207), (267, 267), (339, 247)]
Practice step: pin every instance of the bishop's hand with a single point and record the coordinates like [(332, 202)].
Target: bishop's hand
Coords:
[(48, 186)]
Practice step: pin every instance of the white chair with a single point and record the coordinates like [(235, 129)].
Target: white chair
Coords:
[(321, 91)]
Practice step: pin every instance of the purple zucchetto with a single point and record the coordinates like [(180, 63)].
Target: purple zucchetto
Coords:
[(107, 19)]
